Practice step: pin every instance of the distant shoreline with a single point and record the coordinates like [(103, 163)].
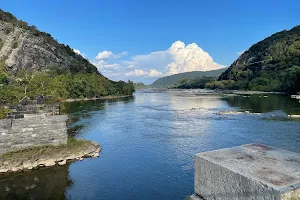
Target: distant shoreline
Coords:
[(98, 98), (207, 91)]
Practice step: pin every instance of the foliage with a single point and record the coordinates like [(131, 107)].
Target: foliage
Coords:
[(192, 83), (61, 86), (167, 81), (80, 80), (270, 65), (226, 84), (4, 112)]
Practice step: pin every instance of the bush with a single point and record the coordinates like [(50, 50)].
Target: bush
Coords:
[(4, 112)]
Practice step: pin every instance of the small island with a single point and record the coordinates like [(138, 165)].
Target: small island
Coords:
[(34, 134)]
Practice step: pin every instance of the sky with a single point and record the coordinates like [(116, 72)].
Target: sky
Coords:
[(142, 40)]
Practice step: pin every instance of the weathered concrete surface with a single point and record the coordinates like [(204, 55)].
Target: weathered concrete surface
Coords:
[(251, 171)]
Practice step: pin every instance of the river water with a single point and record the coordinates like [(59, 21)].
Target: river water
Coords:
[(149, 142)]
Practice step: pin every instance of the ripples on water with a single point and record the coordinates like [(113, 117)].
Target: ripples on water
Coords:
[(149, 141)]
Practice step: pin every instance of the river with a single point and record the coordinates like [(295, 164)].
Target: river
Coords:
[(149, 141)]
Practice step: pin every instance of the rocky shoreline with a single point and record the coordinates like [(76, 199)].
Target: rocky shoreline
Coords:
[(98, 98), (28, 159)]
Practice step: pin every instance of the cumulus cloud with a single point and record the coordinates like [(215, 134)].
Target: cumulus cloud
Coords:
[(109, 55), (136, 72), (140, 72), (189, 58), (155, 73), (102, 65), (77, 51), (240, 53), (177, 58)]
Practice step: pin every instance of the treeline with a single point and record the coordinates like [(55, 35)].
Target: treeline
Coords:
[(59, 85), (287, 80), (272, 64), (168, 81), (193, 83)]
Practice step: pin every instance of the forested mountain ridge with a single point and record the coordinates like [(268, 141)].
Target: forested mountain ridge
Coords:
[(167, 81), (33, 63), (272, 64)]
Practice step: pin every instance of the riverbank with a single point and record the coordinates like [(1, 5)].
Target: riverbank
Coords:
[(46, 156), (206, 91), (246, 92), (98, 98)]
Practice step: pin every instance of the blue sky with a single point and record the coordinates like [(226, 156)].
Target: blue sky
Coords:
[(142, 40)]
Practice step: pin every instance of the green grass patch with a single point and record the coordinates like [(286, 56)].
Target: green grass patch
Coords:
[(73, 145), (4, 112)]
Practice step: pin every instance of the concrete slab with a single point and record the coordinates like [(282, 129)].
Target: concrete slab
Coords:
[(248, 172)]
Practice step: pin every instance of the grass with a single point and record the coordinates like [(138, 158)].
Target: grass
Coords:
[(4, 112), (72, 145), (295, 198)]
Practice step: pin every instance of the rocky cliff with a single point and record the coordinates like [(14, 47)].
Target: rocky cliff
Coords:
[(23, 46)]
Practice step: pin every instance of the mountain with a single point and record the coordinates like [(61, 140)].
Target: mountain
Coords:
[(272, 64), (167, 81), (25, 47), (140, 86), (33, 63)]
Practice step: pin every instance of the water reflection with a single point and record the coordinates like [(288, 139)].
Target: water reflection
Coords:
[(262, 104), (45, 183)]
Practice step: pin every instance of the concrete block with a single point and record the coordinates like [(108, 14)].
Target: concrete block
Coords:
[(248, 172)]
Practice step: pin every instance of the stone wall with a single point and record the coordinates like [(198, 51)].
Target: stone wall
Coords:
[(32, 130), (20, 110)]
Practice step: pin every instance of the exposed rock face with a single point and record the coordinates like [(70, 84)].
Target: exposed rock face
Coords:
[(21, 48)]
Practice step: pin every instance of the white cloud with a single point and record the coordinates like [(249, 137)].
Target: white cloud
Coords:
[(177, 58), (155, 73), (130, 66), (140, 72), (109, 55), (136, 72), (240, 53), (102, 65), (77, 51), (189, 58), (104, 55)]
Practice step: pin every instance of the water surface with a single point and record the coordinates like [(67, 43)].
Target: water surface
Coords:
[(149, 141)]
